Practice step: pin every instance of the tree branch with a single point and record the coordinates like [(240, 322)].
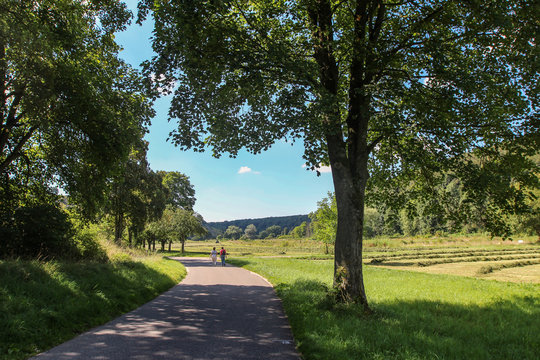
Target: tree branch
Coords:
[(16, 152)]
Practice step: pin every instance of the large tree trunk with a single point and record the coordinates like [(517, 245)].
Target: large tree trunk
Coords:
[(348, 156), (348, 274)]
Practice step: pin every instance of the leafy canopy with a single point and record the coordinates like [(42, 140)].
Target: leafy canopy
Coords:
[(420, 86), (68, 103)]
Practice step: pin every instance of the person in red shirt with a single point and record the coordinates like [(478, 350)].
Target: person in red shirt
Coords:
[(222, 254)]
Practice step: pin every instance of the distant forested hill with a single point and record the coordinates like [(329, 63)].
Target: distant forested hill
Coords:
[(289, 222)]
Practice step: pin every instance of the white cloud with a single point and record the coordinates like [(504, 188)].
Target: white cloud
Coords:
[(246, 169), (321, 168), (324, 169)]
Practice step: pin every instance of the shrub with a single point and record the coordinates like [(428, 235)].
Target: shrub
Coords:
[(37, 231)]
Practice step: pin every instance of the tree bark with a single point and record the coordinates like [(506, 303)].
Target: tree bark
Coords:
[(182, 242), (348, 159), (348, 272), (170, 243)]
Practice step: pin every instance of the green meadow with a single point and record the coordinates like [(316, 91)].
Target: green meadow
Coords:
[(416, 315)]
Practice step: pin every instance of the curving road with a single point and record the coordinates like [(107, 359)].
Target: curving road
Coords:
[(216, 313)]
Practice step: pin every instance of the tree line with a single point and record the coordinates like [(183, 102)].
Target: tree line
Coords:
[(73, 116), (286, 224)]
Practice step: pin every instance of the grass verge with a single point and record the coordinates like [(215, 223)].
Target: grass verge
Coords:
[(43, 304), (417, 315)]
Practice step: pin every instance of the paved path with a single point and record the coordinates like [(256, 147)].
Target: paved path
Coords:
[(215, 313)]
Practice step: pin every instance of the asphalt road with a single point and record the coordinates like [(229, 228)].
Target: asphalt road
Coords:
[(216, 313)]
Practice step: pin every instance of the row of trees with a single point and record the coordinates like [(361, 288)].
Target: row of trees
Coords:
[(72, 117), (448, 212)]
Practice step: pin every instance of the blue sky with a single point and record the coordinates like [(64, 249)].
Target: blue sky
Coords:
[(273, 183)]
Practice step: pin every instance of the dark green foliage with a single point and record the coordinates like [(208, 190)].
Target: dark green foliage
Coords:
[(180, 192), (70, 108), (270, 232), (46, 232), (137, 195), (41, 231)]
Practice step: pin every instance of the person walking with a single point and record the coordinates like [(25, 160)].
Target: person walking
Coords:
[(213, 256), (222, 254)]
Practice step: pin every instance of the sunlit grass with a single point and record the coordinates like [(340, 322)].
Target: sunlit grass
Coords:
[(417, 316), (43, 304)]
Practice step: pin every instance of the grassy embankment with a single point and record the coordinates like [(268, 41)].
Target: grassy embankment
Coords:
[(43, 304), (417, 315)]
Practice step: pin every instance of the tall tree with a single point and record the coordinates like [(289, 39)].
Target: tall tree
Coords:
[(137, 195), (181, 192), (396, 89), (66, 100)]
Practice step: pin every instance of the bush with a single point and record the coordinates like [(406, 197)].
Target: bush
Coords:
[(39, 231)]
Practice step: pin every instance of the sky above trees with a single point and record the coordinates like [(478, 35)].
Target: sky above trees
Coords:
[(273, 183)]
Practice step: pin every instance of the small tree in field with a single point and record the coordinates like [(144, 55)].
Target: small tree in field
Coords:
[(324, 221), (300, 231), (251, 231), (233, 232), (180, 225)]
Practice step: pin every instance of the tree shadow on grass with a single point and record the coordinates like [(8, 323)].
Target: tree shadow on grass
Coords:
[(40, 308), (507, 329), (238, 262)]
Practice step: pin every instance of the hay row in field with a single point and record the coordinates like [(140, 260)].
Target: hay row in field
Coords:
[(474, 259), (438, 255), (486, 269)]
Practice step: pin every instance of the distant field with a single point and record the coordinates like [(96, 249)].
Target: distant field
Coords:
[(473, 256)]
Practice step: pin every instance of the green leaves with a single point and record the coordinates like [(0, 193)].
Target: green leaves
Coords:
[(66, 92)]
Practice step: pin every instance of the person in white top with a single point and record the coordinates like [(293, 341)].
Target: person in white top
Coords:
[(213, 256)]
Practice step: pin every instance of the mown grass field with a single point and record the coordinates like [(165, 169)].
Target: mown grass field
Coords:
[(417, 315), (43, 304), (474, 256)]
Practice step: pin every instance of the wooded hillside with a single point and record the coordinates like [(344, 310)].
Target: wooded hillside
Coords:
[(289, 222)]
